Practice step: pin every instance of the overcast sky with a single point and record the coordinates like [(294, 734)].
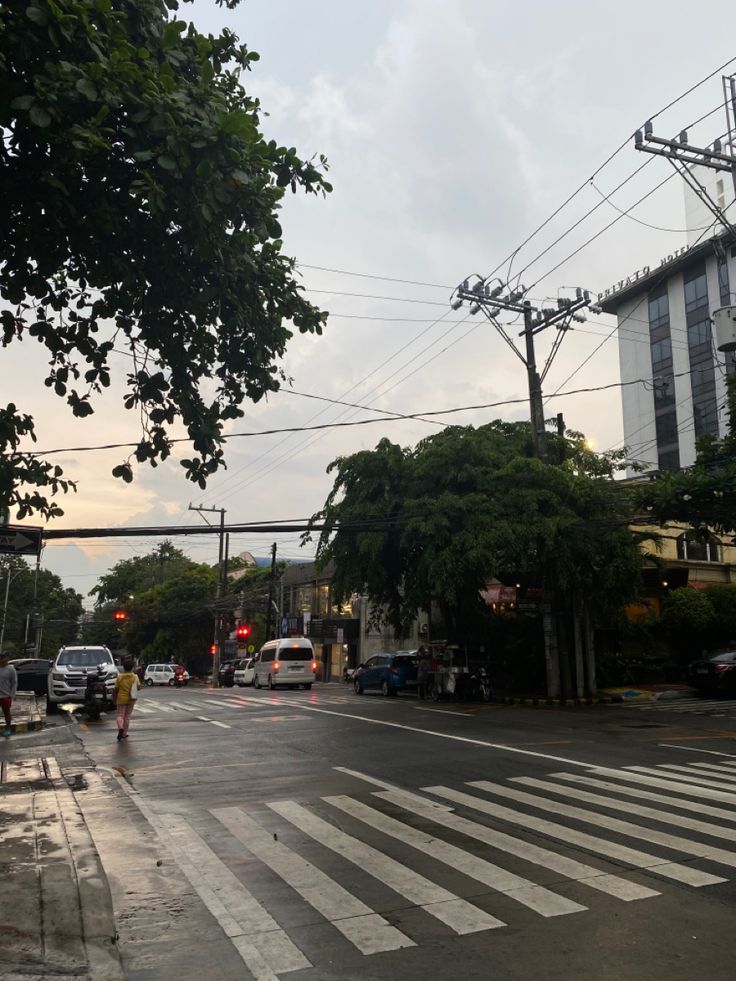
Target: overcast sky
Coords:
[(453, 130)]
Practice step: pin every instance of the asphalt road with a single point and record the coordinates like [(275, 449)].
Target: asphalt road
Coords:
[(321, 835)]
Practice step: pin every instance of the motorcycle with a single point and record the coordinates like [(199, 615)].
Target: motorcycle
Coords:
[(179, 679), (487, 691), (95, 694)]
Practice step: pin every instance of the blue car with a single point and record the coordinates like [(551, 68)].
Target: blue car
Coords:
[(388, 673)]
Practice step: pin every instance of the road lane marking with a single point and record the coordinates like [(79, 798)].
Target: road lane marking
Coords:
[(535, 897), (679, 802), (702, 770), (570, 868), (263, 946), (672, 783), (212, 722), (358, 923), (627, 828), (600, 846), (655, 814), (694, 749), (406, 795), (462, 917), (697, 782), (425, 708)]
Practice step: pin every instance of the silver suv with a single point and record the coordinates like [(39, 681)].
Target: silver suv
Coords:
[(68, 674)]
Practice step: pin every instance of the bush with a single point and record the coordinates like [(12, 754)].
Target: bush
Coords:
[(689, 621), (723, 600)]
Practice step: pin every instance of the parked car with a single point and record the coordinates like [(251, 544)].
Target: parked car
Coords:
[(33, 674), (164, 674), (390, 673), (715, 673), (67, 679), (243, 673), (226, 672), (289, 661)]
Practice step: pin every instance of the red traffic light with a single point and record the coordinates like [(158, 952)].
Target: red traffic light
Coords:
[(121, 615), (213, 649), (243, 630)]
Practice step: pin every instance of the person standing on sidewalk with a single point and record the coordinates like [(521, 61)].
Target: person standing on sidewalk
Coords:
[(126, 694), (8, 688)]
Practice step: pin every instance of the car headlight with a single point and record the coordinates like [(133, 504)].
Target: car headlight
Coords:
[(57, 677)]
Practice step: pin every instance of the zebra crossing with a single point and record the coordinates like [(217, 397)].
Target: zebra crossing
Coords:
[(719, 708), (539, 846)]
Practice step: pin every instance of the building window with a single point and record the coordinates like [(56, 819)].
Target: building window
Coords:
[(666, 428), (705, 417), (659, 311), (669, 459), (694, 548), (323, 599), (724, 285), (699, 333), (304, 599), (696, 293), (664, 391), (661, 351), (703, 380)]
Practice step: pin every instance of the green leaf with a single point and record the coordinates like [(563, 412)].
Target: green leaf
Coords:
[(22, 102), (87, 89), (168, 163), (37, 15), (40, 117)]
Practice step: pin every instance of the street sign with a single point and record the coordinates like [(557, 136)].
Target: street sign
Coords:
[(251, 648), (20, 540)]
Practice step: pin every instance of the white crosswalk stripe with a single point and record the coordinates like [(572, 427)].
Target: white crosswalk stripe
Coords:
[(694, 706), (459, 915), (405, 821), (361, 925)]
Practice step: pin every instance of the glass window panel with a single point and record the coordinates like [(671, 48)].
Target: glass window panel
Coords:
[(666, 428), (661, 351), (669, 460), (659, 310), (696, 293), (723, 282), (699, 333)]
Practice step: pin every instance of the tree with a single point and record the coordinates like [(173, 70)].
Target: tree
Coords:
[(704, 495), (132, 576), (466, 505), (688, 619), (139, 203), (59, 607)]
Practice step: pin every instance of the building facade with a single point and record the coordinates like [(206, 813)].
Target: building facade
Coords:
[(344, 634), (674, 379)]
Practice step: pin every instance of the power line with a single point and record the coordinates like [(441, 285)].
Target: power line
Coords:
[(386, 279)]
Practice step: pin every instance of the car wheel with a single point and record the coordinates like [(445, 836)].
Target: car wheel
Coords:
[(308, 687), (386, 689), (358, 687), (149, 682), (170, 682), (271, 685)]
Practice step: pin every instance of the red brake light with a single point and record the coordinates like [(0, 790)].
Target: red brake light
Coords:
[(314, 665), (723, 667), (276, 665)]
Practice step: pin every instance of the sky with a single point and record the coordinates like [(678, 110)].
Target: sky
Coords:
[(453, 131)]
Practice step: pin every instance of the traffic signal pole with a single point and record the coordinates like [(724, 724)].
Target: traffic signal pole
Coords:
[(219, 629)]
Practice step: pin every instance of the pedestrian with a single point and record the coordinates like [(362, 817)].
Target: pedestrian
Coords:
[(126, 694), (8, 688), (422, 674)]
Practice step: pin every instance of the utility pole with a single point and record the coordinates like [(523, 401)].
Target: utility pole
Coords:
[(270, 591), (218, 637), (492, 301)]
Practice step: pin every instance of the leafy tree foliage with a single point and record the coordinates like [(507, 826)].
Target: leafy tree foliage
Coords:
[(59, 606), (168, 601), (466, 505), (139, 206), (704, 495)]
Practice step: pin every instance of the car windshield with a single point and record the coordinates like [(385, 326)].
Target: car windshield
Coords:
[(295, 654), (727, 658), (86, 658)]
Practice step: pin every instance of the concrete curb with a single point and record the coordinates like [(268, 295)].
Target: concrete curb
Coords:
[(32, 718)]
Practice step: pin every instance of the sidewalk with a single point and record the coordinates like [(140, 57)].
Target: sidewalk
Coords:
[(29, 714), (56, 917)]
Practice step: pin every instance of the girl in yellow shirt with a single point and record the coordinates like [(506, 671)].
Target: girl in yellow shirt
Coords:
[(126, 693)]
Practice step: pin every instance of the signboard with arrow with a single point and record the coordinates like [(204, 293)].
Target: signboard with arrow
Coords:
[(20, 540)]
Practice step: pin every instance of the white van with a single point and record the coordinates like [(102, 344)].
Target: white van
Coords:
[(289, 661)]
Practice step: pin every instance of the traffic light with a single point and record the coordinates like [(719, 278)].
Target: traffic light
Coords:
[(213, 649), (120, 615), (243, 631)]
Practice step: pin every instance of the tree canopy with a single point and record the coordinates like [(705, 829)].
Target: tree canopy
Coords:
[(139, 204), (466, 505), (60, 608)]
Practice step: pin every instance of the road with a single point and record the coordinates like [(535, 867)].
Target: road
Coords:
[(321, 835)]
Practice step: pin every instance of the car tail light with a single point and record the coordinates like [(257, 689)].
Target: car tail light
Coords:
[(314, 665), (723, 667), (276, 665)]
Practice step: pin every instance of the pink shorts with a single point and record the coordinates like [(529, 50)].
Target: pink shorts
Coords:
[(6, 702)]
